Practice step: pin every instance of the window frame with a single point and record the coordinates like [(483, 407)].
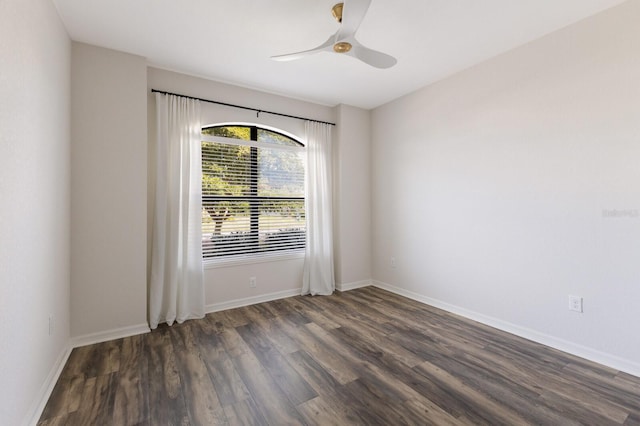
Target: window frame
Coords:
[(257, 256)]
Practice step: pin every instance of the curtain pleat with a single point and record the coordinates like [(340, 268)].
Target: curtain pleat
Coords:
[(176, 287), (318, 276)]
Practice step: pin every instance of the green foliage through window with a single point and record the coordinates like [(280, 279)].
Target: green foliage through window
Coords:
[(253, 194)]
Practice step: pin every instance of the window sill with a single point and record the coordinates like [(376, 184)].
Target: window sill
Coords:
[(252, 259)]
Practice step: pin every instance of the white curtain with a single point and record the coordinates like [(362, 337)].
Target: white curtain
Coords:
[(318, 275), (176, 288)]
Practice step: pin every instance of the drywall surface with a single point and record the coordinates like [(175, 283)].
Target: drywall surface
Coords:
[(34, 204), (352, 196), (506, 188), (108, 190), (228, 284)]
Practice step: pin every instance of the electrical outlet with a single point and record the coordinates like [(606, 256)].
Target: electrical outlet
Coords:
[(393, 262), (252, 282), (575, 303)]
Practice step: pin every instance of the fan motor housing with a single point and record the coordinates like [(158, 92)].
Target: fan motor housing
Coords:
[(336, 11), (342, 47)]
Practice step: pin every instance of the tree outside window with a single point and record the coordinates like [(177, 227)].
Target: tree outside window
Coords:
[(253, 191)]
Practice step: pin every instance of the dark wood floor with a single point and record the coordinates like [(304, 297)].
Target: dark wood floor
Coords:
[(361, 357)]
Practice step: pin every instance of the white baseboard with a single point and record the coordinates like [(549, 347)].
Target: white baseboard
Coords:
[(105, 336), (46, 389), (238, 303), (353, 285), (590, 354)]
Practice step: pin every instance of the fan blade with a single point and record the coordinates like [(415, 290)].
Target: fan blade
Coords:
[(352, 15), (371, 57), (326, 46)]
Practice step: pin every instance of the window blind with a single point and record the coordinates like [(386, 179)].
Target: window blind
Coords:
[(252, 196)]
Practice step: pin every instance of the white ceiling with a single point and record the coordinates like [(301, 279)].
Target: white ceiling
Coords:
[(231, 40)]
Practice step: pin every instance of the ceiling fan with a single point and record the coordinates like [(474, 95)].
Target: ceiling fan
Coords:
[(349, 14)]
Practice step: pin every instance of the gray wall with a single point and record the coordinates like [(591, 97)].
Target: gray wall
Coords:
[(352, 205), (494, 188), (108, 192), (34, 204)]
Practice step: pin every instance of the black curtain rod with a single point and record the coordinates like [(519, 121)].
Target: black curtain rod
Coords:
[(258, 111)]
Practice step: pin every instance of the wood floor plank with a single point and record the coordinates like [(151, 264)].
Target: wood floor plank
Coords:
[(378, 410), (326, 356), (98, 360), (74, 397), (322, 320), (630, 382), (218, 321), (229, 386), (165, 396), (200, 396), (632, 420), (61, 420), (318, 411), (276, 337), (362, 357), (77, 364), (236, 317), (331, 391), (227, 382), (289, 381), (97, 401), (564, 392), (581, 413), (471, 403), (209, 342), (424, 412), (244, 413), (58, 404), (131, 405), (112, 359), (271, 402), (603, 382), (349, 313), (510, 388), (233, 343), (296, 314), (261, 311), (378, 346), (313, 373)]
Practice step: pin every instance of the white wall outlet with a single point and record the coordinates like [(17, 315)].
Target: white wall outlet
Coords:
[(575, 303), (393, 262), (252, 282)]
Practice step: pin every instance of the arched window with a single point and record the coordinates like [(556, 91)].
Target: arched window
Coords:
[(252, 192)]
